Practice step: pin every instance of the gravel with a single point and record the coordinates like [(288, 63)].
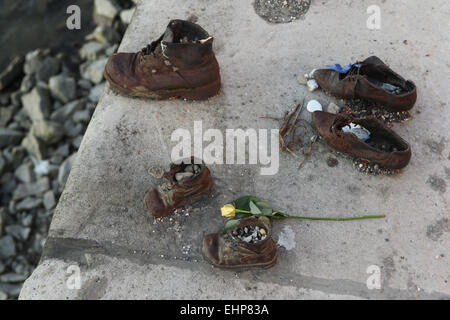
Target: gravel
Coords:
[(281, 11), (44, 111)]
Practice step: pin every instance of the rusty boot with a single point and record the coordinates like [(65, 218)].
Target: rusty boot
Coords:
[(371, 80), (236, 249), (383, 147), (186, 183), (181, 63)]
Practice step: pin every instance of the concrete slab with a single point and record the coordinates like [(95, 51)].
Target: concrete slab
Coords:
[(101, 225)]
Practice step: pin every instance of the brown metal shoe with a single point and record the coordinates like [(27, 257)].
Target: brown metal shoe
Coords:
[(371, 80), (181, 63), (186, 183), (235, 250), (383, 146)]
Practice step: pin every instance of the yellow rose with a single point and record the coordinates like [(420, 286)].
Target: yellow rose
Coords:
[(228, 211)]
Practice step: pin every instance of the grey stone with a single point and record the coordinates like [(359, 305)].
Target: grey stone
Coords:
[(2, 266), (12, 72), (8, 182), (37, 103), (3, 213), (333, 108), (10, 289), (22, 120), (49, 200), (93, 71), (5, 116), (82, 116), (63, 150), (18, 232), (84, 84), (9, 137), (64, 169), (17, 155), (92, 50), (48, 131), (72, 129), (96, 92), (66, 111), (7, 247), (3, 164), (25, 173), (126, 15), (77, 142), (16, 98), (12, 277), (28, 204), (105, 11), (28, 82), (32, 189), (104, 34), (50, 67), (34, 146), (111, 50), (42, 65), (63, 88)]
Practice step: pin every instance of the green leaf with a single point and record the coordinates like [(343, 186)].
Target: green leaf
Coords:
[(279, 214), (266, 211), (254, 209), (243, 203), (263, 205), (231, 224), (265, 219)]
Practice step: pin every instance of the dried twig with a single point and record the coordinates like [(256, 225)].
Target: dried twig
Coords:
[(290, 133)]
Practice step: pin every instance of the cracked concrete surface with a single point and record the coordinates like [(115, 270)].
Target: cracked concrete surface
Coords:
[(101, 225)]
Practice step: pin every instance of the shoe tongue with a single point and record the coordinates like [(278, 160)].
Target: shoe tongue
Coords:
[(167, 37)]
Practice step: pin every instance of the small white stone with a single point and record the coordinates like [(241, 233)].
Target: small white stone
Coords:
[(312, 85), (302, 80), (361, 133), (314, 105), (333, 108), (183, 175)]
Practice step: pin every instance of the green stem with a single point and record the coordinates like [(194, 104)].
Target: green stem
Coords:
[(333, 219), (248, 213), (241, 211)]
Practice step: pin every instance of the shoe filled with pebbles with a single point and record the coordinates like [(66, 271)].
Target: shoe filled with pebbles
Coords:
[(249, 244), (250, 234), (186, 182)]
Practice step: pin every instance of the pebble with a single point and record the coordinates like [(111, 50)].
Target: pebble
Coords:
[(302, 80), (9, 137), (250, 234), (333, 108), (312, 85), (360, 132), (37, 103), (49, 200), (313, 105), (183, 175), (12, 72), (7, 247), (63, 88)]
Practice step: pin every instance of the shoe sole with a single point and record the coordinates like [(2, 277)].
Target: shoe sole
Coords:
[(194, 94), (243, 267)]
